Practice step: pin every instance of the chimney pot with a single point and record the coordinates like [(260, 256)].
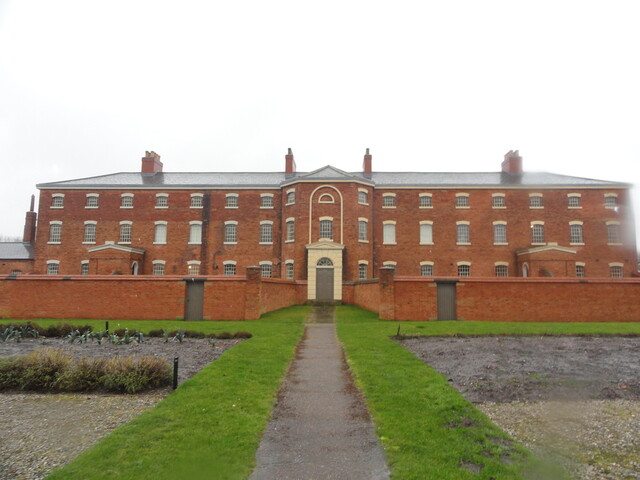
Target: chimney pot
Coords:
[(151, 163), (512, 163), (366, 164), (289, 164)]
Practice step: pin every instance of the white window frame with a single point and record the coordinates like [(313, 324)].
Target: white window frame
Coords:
[(613, 226), (53, 267), (391, 263), (537, 233), (266, 269), (193, 267), (462, 200), (160, 202), (323, 230), (229, 268), (363, 274), (532, 202), (578, 237), (363, 230), (230, 232), (158, 267), (88, 237), (389, 232), (128, 203), (616, 270), (55, 199), (231, 200), (55, 232), (462, 271), (290, 230), (266, 232), (581, 269), (388, 200), (291, 194), (608, 203), (201, 201), (494, 201), (426, 232), (157, 239), (195, 232), (91, 197), (289, 270), (326, 198), (426, 269), (363, 196), (123, 232), (498, 268), (84, 267), (266, 201), (571, 198), (496, 225), (463, 232), (426, 199)]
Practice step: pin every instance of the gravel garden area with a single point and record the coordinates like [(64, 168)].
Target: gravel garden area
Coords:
[(43, 431), (571, 400)]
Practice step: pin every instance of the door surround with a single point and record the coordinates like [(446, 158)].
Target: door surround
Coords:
[(324, 249)]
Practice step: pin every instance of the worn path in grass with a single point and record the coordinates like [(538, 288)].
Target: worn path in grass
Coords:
[(320, 427)]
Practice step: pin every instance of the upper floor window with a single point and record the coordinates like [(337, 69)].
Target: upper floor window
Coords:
[(290, 226), (160, 233), (502, 269), (426, 201), (537, 232), (89, 232), (266, 200), (231, 232), (575, 233), (613, 233), (615, 270), (229, 268), (326, 198), (55, 232), (265, 269), (266, 232), (462, 200), (463, 235), (464, 269), (326, 228), (498, 201), (610, 200), (231, 200), (195, 232), (499, 232), (125, 232), (426, 269), (92, 200), (57, 200), (158, 267), (162, 200), (126, 200), (362, 270), (363, 196), (84, 267), (289, 269), (291, 197), (196, 200), (362, 230), (426, 233), (535, 200), (389, 233), (573, 200), (580, 269), (193, 267), (53, 267), (388, 200)]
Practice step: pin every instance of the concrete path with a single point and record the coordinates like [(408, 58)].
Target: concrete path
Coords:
[(320, 427)]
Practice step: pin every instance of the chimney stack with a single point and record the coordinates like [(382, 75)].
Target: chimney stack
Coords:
[(151, 163), (512, 163), (366, 164), (290, 164), (29, 235)]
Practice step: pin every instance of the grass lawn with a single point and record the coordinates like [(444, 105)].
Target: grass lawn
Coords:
[(210, 427)]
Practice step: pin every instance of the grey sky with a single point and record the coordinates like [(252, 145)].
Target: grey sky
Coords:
[(86, 87)]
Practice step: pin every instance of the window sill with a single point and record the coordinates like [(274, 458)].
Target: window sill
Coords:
[(363, 241), (159, 243), (289, 241), (574, 208), (577, 244), (126, 208), (194, 243), (426, 207), (389, 243), (539, 244), (91, 208), (463, 208), (289, 204), (463, 243), (88, 243), (196, 207), (230, 208), (426, 243), (58, 243), (229, 243), (57, 208), (499, 208), (161, 208), (265, 243), (536, 208), (388, 207), (614, 244), (501, 244), (365, 204), (266, 208), (124, 243)]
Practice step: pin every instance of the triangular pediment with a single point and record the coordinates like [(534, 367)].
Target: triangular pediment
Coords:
[(119, 248), (546, 248), (325, 245), (329, 173)]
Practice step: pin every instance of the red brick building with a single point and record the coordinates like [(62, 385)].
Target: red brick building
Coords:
[(331, 227)]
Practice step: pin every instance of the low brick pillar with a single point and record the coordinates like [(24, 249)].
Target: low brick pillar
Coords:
[(253, 294), (387, 294)]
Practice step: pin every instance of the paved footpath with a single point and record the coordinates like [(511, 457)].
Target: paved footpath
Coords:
[(320, 428)]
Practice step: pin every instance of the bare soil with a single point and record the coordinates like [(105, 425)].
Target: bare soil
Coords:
[(43, 431)]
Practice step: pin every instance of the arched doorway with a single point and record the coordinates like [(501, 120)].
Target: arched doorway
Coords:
[(324, 280), (525, 270), (134, 268)]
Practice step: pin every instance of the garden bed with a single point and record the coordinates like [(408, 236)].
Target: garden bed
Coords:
[(44, 431)]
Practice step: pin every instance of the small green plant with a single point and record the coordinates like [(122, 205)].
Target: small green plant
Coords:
[(126, 339), (72, 336), (99, 336), (212, 342), (165, 335), (7, 334), (179, 336), (138, 337)]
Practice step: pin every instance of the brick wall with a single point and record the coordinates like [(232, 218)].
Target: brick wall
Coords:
[(8, 266), (366, 294)]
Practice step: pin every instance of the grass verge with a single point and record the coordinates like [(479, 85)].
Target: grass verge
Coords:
[(210, 427), (428, 430)]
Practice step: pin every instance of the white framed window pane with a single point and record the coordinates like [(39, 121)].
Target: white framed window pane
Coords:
[(229, 269), (362, 197), (462, 201), (535, 201), (266, 201), (389, 233), (57, 202), (196, 202), (125, 233), (362, 271), (613, 233), (537, 233), (574, 201), (610, 202), (291, 231), (265, 270), (160, 233), (195, 233), (463, 233), (575, 234), (502, 271), (193, 269), (326, 229), (232, 201), (55, 232), (498, 202), (92, 202), (158, 268), (499, 233), (464, 270), (231, 233), (266, 233), (90, 233), (580, 271), (388, 201), (291, 198), (426, 270), (84, 269), (426, 233), (616, 271), (52, 269), (362, 230), (289, 271), (127, 202), (425, 202)]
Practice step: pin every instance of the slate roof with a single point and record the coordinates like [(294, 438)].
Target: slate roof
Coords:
[(16, 251), (164, 180)]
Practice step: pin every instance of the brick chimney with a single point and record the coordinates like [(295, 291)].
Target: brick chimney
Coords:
[(366, 164), (512, 163), (151, 163), (29, 235), (289, 164)]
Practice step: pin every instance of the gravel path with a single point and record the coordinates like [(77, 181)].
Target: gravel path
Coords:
[(40, 432)]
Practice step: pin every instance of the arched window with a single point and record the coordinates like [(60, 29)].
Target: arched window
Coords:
[(324, 262)]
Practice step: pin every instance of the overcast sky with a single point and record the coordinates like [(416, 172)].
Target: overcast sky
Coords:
[(86, 87)]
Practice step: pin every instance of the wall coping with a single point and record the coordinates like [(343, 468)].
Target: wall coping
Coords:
[(463, 280), (128, 278)]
